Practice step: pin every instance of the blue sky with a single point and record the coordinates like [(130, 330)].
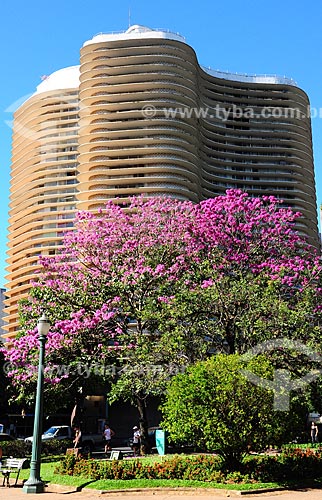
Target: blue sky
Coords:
[(248, 36)]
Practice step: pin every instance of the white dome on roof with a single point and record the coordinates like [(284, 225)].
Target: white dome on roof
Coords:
[(66, 78), (138, 28)]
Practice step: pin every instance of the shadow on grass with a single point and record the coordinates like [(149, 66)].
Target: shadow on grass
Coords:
[(81, 486), (77, 488)]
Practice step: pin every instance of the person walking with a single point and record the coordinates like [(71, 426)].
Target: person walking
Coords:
[(136, 441), (314, 433), (107, 435)]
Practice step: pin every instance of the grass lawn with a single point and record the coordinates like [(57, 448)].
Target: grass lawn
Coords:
[(302, 446), (47, 474)]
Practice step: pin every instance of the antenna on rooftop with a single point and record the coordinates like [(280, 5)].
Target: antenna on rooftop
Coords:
[(129, 17)]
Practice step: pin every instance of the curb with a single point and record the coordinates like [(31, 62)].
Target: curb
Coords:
[(215, 491), (60, 488), (260, 490)]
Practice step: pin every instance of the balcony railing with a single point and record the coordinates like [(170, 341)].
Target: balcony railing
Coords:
[(243, 77)]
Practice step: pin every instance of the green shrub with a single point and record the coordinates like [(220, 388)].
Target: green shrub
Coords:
[(215, 407), (67, 465), (237, 477), (289, 465), (299, 464), (199, 468), (55, 447), (292, 464), (21, 449), (263, 468), (16, 449)]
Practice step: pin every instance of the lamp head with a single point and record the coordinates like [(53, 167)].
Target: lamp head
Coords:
[(43, 325)]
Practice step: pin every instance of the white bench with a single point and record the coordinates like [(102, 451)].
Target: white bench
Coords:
[(11, 466)]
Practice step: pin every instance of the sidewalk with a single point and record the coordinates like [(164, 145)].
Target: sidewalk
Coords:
[(65, 493)]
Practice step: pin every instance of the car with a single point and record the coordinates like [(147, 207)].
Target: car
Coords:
[(59, 432), (6, 437), (55, 432)]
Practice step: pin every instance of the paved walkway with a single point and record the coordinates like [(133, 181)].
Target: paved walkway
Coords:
[(64, 493)]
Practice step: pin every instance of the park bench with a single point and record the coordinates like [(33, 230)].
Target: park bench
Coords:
[(11, 466)]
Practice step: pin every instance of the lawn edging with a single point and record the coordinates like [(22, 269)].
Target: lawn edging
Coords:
[(224, 492), (60, 488)]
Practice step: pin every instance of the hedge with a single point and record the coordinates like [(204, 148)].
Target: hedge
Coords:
[(21, 449), (289, 465), (199, 468)]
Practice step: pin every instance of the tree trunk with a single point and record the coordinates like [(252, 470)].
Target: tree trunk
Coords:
[(230, 338), (145, 446)]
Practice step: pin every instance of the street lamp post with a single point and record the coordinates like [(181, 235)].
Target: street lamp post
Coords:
[(34, 484)]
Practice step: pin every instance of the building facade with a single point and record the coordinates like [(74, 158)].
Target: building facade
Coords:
[(2, 309), (140, 116)]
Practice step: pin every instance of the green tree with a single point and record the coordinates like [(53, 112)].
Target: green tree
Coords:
[(214, 407)]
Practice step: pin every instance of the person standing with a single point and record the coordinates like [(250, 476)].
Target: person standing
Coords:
[(107, 435), (314, 433), (136, 441)]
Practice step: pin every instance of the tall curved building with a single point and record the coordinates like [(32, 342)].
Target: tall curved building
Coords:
[(141, 116)]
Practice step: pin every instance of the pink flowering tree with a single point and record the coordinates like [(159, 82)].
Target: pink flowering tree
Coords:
[(103, 293), (259, 279), (136, 295)]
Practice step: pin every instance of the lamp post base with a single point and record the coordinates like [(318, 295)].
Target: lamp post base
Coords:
[(33, 487)]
